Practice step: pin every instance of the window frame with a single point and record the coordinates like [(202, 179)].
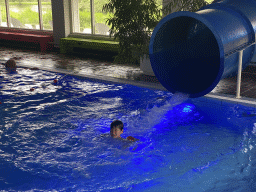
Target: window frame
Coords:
[(75, 22), (40, 14)]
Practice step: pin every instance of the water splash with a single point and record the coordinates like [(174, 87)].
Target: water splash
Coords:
[(254, 129), (152, 116), (156, 114), (178, 98)]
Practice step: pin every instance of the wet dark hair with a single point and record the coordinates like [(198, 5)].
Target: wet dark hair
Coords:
[(11, 65), (117, 123)]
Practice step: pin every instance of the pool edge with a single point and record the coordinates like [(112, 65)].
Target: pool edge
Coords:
[(222, 97)]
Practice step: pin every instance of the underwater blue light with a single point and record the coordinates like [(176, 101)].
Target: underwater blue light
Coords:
[(187, 109), (180, 114)]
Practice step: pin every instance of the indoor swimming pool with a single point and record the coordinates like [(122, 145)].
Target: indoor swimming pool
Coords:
[(50, 137)]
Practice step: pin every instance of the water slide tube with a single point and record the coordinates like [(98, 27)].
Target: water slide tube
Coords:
[(191, 52)]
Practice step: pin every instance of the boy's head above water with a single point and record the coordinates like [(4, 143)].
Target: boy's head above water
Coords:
[(11, 65), (116, 129)]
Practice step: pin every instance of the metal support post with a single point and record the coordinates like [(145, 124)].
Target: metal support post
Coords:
[(239, 74), (8, 17), (40, 11), (92, 18)]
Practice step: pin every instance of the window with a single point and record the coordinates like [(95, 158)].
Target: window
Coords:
[(47, 15), (81, 16), (3, 21), (28, 14), (101, 27), (88, 18)]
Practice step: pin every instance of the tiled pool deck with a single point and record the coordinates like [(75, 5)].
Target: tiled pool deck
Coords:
[(98, 66)]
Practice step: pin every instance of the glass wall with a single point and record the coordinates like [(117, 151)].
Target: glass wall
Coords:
[(47, 14), (89, 19), (3, 20), (24, 14), (81, 16), (101, 27), (28, 14)]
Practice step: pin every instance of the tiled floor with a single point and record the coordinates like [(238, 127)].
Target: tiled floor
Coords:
[(101, 66)]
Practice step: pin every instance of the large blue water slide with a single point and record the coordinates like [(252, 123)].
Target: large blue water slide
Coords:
[(192, 52)]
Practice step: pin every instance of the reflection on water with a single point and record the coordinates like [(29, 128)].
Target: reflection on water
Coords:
[(50, 138)]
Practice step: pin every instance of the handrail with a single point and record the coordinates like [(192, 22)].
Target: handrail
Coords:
[(239, 71), (239, 74)]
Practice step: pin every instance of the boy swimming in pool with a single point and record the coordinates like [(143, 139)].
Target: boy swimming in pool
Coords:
[(11, 65), (117, 128)]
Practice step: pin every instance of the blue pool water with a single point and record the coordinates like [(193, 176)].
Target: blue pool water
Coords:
[(50, 138)]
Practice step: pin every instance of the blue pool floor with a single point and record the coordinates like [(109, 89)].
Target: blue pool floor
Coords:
[(102, 67)]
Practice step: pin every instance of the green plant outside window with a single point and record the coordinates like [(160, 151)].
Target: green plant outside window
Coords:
[(25, 13)]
